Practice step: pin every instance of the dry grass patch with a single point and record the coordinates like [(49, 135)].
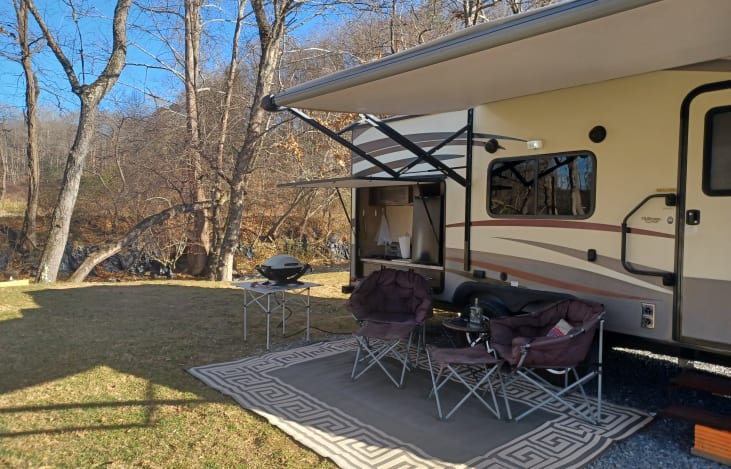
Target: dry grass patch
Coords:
[(95, 375)]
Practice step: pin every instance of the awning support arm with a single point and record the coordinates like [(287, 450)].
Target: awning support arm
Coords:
[(407, 144), (435, 149), (342, 141), (345, 209)]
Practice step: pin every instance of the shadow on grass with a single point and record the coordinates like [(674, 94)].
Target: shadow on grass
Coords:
[(154, 332)]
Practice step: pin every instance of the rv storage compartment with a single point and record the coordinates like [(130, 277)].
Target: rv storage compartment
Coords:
[(391, 195), (426, 225)]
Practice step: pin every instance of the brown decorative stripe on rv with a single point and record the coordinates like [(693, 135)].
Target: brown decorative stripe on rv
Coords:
[(437, 137), (426, 140), (578, 279), (398, 164), (549, 281), (576, 225), (386, 146)]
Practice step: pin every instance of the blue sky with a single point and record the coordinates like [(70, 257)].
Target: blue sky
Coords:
[(135, 82)]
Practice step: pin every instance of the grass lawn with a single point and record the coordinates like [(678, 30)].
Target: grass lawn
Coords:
[(95, 375)]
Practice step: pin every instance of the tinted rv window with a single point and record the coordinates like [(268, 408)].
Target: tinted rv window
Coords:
[(558, 185), (717, 154)]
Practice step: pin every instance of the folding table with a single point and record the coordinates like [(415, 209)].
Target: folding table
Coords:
[(261, 292)]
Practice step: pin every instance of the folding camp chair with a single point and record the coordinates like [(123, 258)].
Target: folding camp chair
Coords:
[(390, 306), (472, 360), (535, 341)]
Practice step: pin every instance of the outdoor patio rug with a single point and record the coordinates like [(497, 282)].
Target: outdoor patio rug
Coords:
[(307, 392)]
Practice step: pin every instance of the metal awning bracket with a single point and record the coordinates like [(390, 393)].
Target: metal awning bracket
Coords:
[(425, 156), (420, 153), (338, 138)]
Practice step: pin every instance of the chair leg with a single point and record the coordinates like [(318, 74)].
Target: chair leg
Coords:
[(376, 357), (557, 396), (599, 371), (442, 378), (472, 391), (434, 390), (503, 390), (420, 342), (405, 359)]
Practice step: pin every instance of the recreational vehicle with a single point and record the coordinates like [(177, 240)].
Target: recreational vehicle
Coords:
[(581, 149)]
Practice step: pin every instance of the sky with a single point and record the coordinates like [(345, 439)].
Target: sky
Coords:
[(136, 83)]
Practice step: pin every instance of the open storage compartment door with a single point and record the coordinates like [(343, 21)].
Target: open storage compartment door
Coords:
[(395, 223), (401, 227)]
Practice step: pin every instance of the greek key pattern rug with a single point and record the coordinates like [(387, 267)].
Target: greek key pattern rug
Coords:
[(556, 441)]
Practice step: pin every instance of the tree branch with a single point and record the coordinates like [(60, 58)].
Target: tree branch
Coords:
[(111, 249)]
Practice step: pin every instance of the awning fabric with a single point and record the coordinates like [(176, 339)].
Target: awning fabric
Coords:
[(351, 182), (564, 45)]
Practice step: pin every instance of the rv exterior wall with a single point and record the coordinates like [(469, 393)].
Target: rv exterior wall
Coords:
[(638, 157)]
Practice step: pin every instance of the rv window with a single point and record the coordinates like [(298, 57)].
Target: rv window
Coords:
[(557, 185), (717, 152)]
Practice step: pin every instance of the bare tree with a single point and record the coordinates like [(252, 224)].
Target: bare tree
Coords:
[(219, 180), (28, 233), (204, 145), (89, 96), (3, 171), (200, 239), (271, 32)]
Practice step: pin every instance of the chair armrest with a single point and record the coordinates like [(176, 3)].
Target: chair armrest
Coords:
[(576, 331), (555, 352)]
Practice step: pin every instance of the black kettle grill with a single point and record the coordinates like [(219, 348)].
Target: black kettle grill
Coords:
[(283, 269)]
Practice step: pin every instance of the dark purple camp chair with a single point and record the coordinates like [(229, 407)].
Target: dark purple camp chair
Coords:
[(390, 306), (523, 342)]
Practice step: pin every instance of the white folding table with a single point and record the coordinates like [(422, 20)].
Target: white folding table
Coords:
[(261, 293)]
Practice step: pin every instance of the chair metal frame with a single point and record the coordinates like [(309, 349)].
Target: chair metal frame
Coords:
[(470, 359), (390, 344)]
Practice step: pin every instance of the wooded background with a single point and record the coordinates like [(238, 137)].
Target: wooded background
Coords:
[(182, 173)]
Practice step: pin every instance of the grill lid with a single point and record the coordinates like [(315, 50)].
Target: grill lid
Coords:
[(283, 269)]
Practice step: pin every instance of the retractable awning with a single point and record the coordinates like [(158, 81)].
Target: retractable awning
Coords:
[(353, 182), (564, 45)]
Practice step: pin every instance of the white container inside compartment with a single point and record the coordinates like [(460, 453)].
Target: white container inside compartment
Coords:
[(405, 246)]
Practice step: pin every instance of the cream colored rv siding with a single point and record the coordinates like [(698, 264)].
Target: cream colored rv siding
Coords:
[(638, 157)]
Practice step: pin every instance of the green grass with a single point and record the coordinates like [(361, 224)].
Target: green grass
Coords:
[(12, 207), (95, 375)]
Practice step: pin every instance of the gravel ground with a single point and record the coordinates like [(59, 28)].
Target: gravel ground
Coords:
[(640, 380)]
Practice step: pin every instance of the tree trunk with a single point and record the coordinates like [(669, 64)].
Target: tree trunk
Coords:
[(3, 172), (269, 38), (218, 185), (200, 240), (61, 219), (271, 235), (28, 232), (111, 249), (89, 95)]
